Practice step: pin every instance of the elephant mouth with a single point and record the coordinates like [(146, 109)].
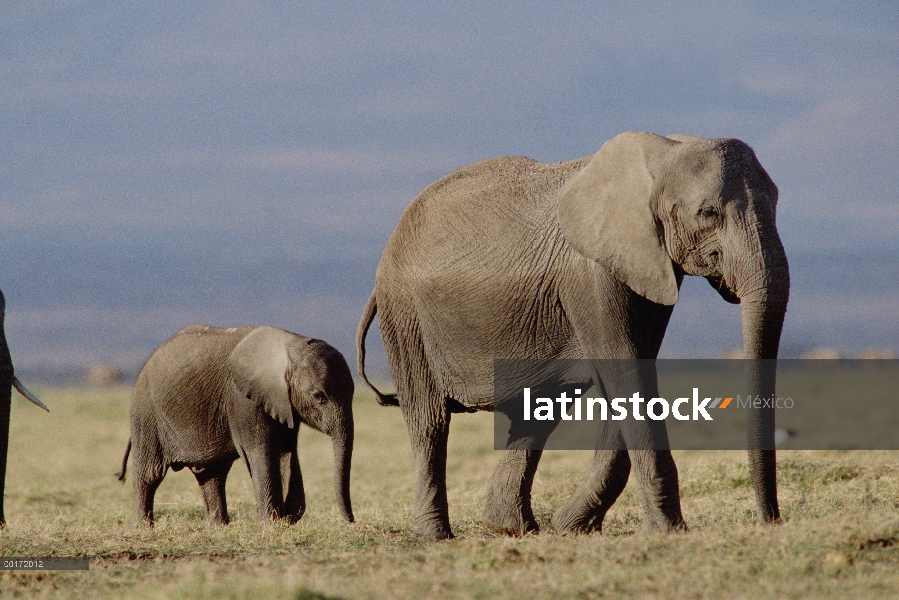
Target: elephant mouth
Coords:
[(723, 289)]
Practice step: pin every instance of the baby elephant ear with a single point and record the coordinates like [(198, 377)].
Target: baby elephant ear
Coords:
[(606, 214), (259, 369)]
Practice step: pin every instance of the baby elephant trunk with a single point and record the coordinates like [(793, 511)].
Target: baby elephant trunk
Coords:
[(343, 458)]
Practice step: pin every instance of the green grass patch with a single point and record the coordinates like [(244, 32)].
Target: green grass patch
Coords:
[(840, 536)]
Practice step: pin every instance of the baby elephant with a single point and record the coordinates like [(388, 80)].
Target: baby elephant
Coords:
[(209, 396)]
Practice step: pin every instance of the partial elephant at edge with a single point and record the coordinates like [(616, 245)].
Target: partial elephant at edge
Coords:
[(8, 381)]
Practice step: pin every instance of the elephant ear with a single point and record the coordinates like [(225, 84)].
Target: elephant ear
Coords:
[(606, 214), (260, 370)]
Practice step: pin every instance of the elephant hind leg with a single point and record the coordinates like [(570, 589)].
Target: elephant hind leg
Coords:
[(149, 469), (428, 423), (427, 419), (212, 485), (145, 486), (426, 414)]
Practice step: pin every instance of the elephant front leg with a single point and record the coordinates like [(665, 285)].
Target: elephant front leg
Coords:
[(292, 480), (647, 441), (508, 508), (429, 432), (265, 470), (586, 510), (212, 485), (659, 491), (656, 473)]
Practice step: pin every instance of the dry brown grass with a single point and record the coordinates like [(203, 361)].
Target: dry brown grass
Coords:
[(840, 537)]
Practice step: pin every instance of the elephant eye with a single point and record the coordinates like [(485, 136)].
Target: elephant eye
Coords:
[(708, 212), (320, 397)]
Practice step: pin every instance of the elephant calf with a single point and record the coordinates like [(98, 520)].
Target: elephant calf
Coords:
[(209, 396)]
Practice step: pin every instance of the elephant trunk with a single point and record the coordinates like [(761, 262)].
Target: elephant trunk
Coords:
[(763, 294), (343, 457), (762, 323)]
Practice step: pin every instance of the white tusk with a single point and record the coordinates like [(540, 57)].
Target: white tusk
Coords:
[(24, 391)]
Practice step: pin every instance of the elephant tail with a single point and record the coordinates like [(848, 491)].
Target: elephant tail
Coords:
[(371, 309), (121, 474)]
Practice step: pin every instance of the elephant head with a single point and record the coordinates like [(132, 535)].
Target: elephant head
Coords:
[(297, 378), (651, 208), (8, 380)]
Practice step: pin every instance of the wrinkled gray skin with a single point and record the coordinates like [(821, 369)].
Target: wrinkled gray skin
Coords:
[(512, 258), (8, 380), (209, 396)]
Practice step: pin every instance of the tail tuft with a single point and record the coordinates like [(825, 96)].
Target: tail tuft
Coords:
[(368, 315), (121, 474), (388, 399)]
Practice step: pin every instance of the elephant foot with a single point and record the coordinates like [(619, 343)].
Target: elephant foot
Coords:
[(293, 516), (662, 525), (433, 531), (512, 522), (217, 520), (574, 518)]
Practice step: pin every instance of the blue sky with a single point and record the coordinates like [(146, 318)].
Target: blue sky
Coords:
[(245, 163)]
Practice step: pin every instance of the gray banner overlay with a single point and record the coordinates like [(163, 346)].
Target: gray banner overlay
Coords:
[(694, 404), (44, 563)]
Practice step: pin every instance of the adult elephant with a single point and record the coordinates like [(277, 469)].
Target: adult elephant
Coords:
[(512, 258), (8, 380)]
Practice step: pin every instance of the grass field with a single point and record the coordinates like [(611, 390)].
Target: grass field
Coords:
[(840, 537)]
